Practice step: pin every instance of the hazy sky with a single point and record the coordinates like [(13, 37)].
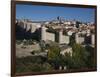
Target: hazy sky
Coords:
[(39, 13)]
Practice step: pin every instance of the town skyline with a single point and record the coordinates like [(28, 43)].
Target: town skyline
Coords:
[(48, 13)]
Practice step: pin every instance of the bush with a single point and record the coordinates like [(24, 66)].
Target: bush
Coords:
[(32, 64), (18, 42), (28, 42)]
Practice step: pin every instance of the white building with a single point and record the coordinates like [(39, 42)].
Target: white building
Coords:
[(51, 36), (78, 39), (63, 39), (65, 50), (93, 39), (43, 33), (29, 25)]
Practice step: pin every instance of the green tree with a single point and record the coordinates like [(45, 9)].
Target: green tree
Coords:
[(53, 52), (54, 56), (47, 67), (42, 45), (66, 60), (72, 40), (79, 56), (91, 60)]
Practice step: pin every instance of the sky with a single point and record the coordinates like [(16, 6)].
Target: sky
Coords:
[(47, 13)]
